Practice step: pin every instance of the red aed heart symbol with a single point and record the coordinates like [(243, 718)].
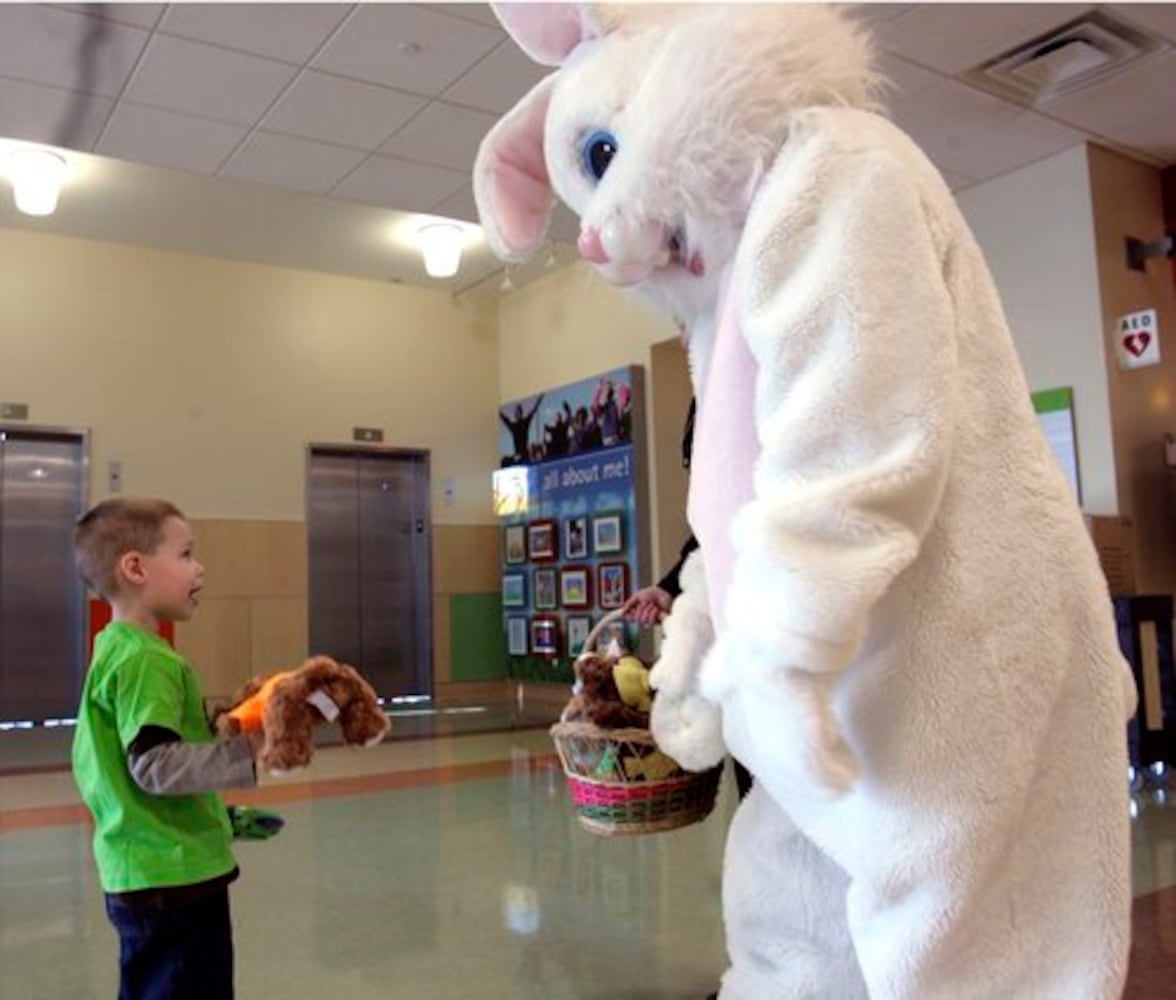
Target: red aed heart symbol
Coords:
[(1137, 343)]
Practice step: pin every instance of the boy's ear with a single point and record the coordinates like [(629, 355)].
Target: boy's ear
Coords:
[(130, 567)]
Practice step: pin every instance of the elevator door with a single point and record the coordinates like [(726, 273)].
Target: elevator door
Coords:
[(368, 534), (42, 616)]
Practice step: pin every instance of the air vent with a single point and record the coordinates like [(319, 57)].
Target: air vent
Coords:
[(1076, 55)]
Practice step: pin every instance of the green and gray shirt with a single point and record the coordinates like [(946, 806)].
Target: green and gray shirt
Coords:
[(157, 822)]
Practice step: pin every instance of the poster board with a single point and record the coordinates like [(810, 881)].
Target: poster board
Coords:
[(1055, 415), (571, 500)]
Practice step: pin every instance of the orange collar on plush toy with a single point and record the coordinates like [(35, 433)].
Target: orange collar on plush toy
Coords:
[(248, 714)]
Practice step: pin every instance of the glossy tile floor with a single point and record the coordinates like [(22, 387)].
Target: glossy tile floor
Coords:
[(445, 867)]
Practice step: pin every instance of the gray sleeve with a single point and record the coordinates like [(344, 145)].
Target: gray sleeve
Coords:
[(186, 768)]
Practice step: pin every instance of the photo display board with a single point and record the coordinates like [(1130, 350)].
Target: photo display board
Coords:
[(571, 501)]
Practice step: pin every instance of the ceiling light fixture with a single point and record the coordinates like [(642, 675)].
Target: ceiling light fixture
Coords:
[(440, 244), (36, 176), (507, 285)]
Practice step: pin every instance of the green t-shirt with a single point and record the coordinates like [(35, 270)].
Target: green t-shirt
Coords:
[(144, 841)]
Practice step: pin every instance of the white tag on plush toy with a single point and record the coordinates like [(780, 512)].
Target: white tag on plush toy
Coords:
[(322, 701)]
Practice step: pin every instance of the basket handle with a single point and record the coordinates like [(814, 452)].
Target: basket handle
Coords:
[(597, 630)]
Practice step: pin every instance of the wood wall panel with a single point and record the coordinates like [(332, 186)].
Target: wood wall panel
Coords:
[(254, 616), (1127, 201)]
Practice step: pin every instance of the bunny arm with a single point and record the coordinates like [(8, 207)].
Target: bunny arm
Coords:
[(684, 723), (844, 306)]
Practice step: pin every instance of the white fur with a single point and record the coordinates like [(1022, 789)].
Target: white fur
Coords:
[(918, 661), (686, 724)]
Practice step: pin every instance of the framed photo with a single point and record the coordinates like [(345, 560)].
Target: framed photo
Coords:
[(613, 584), (516, 636), (542, 541), (546, 597), (606, 534), (514, 590), (578, 627), (545, 635), (576, 537), (575, 587), (514, 544)]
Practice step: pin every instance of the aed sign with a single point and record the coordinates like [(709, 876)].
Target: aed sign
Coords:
[(1137, 339)]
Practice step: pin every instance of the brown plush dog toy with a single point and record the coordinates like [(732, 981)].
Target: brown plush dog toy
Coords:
[(612, 692), (287, 706)]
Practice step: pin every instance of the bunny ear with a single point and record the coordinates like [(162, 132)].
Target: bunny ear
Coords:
[(511, 184), (547, 32)]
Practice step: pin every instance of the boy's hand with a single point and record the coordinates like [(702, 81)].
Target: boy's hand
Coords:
[(256, 740), (648, 606)]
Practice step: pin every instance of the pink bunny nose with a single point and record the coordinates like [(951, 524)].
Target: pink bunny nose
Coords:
[(590, 246)]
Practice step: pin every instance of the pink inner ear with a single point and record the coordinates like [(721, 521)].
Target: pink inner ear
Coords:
[(511, 183), (547, 32)]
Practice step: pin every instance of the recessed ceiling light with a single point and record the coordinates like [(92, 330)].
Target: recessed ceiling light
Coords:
[(440, 244), (36, 175)]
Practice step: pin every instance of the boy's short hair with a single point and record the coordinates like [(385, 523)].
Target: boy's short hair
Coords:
[(111, 529)]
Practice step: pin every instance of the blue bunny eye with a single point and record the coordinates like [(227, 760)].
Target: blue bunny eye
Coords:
[(597, 152)]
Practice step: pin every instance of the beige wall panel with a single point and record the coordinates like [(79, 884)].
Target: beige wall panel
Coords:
[(465, 559), (278, 633), (217, 643), (252, 558)]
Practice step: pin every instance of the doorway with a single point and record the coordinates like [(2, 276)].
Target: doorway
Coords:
[(42, 601), (370, 585)]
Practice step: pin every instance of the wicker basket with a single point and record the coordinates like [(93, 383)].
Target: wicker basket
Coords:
[(621, 783)]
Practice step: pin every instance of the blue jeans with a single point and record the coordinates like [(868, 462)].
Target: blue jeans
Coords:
[(174, 946)]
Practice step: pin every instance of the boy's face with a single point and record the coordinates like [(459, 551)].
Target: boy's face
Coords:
[(171, 576)]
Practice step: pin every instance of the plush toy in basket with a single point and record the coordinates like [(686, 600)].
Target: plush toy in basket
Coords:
[(287, 706), (620, 782)]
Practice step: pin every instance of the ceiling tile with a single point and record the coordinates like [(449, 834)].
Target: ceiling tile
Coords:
[(1141, 92), (311, 108), (443, 135), (957, 182), (287, 162), (459, 205), (369, 47), (977, 135), (409, 187), (167, 139), (288, 31), (1155, 136), (874, 13), (906, 78), (1156, 18), (142, 15), (498, 81), (44, 45), (63, 118), (480, 12), (955, 37), (205, 80)]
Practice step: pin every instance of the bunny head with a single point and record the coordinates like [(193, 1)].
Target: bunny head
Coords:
[(655, 129)]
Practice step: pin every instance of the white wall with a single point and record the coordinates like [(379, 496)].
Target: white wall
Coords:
[(1036, 228)]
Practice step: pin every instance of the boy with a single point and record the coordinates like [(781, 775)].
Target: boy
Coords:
[(146, 763)]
